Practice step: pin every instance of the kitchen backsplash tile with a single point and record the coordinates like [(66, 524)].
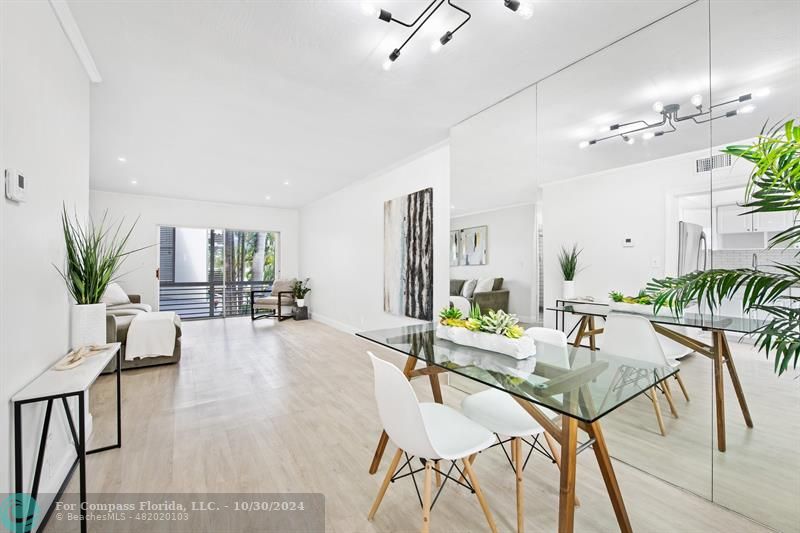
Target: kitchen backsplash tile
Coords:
[(744, 258)]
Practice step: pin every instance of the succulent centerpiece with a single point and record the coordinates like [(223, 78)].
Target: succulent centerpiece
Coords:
[(495, 331)]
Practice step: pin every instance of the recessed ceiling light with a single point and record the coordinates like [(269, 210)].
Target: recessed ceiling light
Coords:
[(452, 207), (134, 182), (583, 144), (121, 159), (286, 182), (268, 197)]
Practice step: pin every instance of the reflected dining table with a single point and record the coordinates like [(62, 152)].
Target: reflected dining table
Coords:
[(595, 385), (718, 351)]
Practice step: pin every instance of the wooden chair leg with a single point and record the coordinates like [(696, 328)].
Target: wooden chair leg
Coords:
[(516, 445), (555, 451), (682, 386), (476, 487), (668, 395), (438, 474), (657, 407), (426, 498), (471, 460), (385, 484)]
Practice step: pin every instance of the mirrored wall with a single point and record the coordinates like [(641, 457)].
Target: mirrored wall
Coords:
[(621, 155)]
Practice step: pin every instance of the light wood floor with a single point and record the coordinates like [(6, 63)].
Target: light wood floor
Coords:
[(267, 407)]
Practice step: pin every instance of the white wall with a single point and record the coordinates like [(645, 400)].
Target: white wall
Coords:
[(598, 211), (44, 103), (511, 253), (342, 243), (154, 212)]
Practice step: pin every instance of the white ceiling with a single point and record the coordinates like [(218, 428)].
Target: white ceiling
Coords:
[(501, 156), (228, 100)]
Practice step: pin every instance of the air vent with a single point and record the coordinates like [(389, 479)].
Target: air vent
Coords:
[(710, 163)]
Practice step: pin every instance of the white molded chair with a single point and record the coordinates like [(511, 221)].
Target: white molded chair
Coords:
[(500, 413), (633, 337), (675, 351), (428, 431)]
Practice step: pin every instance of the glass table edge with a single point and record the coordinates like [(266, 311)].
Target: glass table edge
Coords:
[(586, 420)]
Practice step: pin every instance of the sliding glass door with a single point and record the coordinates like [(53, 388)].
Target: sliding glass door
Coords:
[(209, 272)]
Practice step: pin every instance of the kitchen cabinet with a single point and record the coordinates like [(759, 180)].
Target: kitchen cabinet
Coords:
[(732, 219)]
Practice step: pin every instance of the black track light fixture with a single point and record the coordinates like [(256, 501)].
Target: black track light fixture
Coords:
[(521, 8)]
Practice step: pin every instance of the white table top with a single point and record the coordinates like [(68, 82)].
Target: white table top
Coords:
[(54, 382)]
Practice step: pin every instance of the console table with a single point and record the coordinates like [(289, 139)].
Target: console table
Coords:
[(61, 385)]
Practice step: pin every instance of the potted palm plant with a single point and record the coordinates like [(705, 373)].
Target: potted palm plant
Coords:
[(568, 261), (774, 186), (95, 253)]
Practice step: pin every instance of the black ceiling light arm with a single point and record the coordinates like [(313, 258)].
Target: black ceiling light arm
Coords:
[(413, 33), (387, 16), (467, 13)]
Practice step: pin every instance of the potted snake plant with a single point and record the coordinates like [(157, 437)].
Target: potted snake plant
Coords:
[(95, 253)]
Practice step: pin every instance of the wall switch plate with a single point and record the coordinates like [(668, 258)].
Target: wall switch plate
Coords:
[(627, 242)]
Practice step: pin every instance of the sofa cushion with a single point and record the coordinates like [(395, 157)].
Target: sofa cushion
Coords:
[(114, 295), (469, 288), (272, 301), (128, 309), (455, 287), (498, 284), (484, 285)]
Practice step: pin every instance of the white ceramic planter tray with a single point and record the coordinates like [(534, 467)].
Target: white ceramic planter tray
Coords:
[(640, 309), (521, 348)]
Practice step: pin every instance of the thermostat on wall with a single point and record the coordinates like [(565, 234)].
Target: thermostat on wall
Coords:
[(627, 242), (15, 185)]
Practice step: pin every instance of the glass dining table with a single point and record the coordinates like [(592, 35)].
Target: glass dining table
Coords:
[(670, 326), (592, 385)]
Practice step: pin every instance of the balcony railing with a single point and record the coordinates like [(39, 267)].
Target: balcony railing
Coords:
[(209, 300)]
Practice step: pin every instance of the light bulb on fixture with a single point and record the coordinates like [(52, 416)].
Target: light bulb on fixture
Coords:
[(761, 92), (745, 109), (628, 140), (525, 11), (658, 107), (648, 135), (392, 58), (583, 144), (697, 100), (369, 9), (441, 41)]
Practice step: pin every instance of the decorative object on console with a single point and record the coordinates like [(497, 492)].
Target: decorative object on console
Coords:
[(495, 331), (408, 255), (641, 303), (299, 291), (523, 9), (94, 256), (568, 261), (669, 116)]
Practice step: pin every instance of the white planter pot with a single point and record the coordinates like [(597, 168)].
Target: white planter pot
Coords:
[(568, 290), (521, 348), (638, 309), (301, 302), (87, 325)]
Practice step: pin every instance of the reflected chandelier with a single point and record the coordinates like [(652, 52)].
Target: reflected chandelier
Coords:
[(670, 117)]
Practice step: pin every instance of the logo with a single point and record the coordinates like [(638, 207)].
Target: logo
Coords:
[(19, 513)]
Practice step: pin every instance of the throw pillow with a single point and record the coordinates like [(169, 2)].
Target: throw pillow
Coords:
[(114, 295), (484, 285), (498, 284), (468, 288)]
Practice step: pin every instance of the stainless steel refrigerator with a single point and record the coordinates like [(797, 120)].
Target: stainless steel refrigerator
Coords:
[(692, 248)]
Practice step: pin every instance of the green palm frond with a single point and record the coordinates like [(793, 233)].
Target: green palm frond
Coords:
[(774, 186)]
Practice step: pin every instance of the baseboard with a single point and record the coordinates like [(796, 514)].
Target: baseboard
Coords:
[(341, 326)]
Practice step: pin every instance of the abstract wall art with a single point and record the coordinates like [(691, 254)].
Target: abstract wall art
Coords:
[(408, 255)]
